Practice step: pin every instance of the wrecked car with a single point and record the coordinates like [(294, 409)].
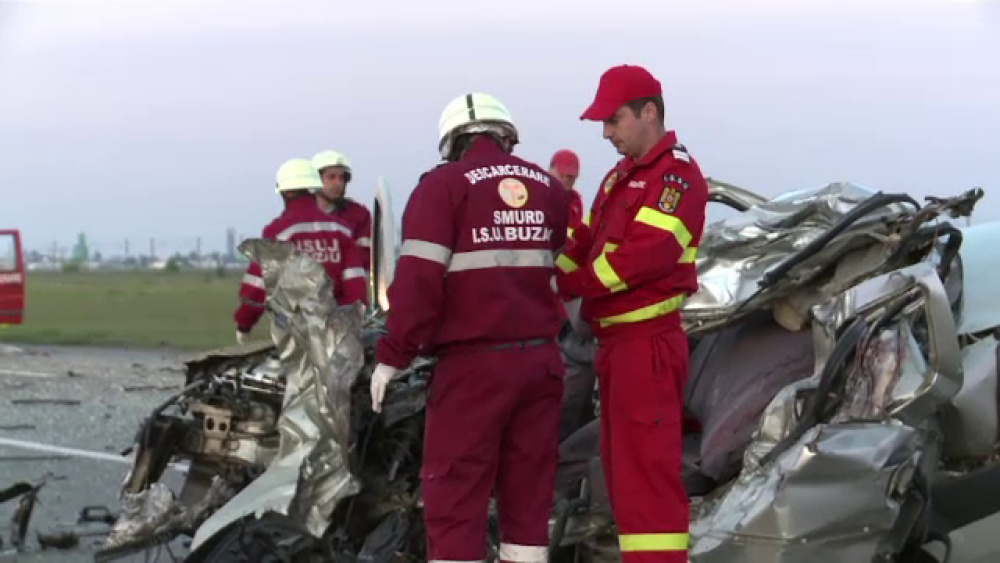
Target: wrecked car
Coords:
[(842, 393)]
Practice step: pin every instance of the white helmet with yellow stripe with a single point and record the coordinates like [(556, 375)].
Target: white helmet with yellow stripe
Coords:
[(474, 113)]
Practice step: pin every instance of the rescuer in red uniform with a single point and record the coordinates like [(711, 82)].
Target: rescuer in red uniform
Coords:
[(473, 287), (335, 171), (313, 232), (565, 166), (633, 263)]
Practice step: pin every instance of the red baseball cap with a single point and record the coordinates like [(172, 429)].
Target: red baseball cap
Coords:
[(566, 162), (619, 85)]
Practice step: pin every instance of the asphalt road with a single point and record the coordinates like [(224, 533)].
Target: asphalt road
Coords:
[(90, 401), (67, 413)]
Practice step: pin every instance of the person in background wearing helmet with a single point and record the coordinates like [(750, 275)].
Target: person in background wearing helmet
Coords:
[(472, 287), (335, 171), (634, 265), (313, 232), (565, 166)]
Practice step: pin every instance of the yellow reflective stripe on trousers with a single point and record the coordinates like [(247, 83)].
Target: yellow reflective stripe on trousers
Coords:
[(645, 313), (607, 275), (586, 219), (569, 232), (663, 221), (653, 542), (565, 264)]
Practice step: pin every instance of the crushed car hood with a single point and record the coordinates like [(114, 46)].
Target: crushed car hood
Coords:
[(737, 253)]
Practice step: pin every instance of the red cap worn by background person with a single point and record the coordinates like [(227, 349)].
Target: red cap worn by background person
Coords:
[(566, 162), (620, 85)]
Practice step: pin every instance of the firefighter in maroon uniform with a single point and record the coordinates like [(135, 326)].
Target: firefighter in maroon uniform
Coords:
[(565, 166), (473, 288), (632, 260), (335, 171), (313, 232)]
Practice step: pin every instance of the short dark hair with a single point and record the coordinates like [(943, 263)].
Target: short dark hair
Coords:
[(639, 103)]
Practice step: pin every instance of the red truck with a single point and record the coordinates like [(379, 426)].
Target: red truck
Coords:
[(11, 278)]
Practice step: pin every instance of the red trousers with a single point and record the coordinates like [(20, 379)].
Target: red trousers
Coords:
[(492, 422), (642, 392)]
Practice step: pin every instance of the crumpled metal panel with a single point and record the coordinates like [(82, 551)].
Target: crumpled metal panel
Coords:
[(320, 346), (830, 498), (736, 252), (980, 310), (835, 493), (155, 510), (923, 389), (970, 421)]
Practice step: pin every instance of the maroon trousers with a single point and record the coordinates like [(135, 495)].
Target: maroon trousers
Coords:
[(642, 382), (492, 422)]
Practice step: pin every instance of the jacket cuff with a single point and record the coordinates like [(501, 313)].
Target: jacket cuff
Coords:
[(385, 353)]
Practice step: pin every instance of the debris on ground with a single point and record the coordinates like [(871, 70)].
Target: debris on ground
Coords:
[(58, 540), (45, 401), (34, 458), (149, 387), (13, 427)]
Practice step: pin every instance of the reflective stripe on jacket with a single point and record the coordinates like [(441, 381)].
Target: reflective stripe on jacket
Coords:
[(632, 257), (477, 261)]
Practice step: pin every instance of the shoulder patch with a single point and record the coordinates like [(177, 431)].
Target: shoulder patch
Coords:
[(673, 189), (680, 153)]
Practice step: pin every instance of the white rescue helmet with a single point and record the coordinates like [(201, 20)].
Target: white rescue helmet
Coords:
[(297, 174), (474, 113), (326, 159)]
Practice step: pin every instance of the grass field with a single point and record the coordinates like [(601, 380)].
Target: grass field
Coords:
[(180, 310)]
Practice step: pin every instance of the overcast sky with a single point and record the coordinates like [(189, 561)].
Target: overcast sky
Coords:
[(168, 119)]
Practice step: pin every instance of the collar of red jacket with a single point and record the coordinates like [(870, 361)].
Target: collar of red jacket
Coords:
[(668, 142), (301, 201), (482, 144)]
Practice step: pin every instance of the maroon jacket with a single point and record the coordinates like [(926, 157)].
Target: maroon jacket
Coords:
[(358, 219), (317, 234), (476, 267)]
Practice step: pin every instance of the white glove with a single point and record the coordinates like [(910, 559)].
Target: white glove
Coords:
[(241, 338), (381, 377)]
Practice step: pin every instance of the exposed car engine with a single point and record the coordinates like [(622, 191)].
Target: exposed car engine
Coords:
[(223, 424)]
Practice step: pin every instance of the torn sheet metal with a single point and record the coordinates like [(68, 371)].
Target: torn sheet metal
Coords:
[(732, 195), (321, 344), (970, 420), (736, 252), (859, 466), (154, 515), (925, 387), (831, 498)]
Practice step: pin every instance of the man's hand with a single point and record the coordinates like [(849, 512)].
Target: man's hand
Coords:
[(381, 377), (241, 338)]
